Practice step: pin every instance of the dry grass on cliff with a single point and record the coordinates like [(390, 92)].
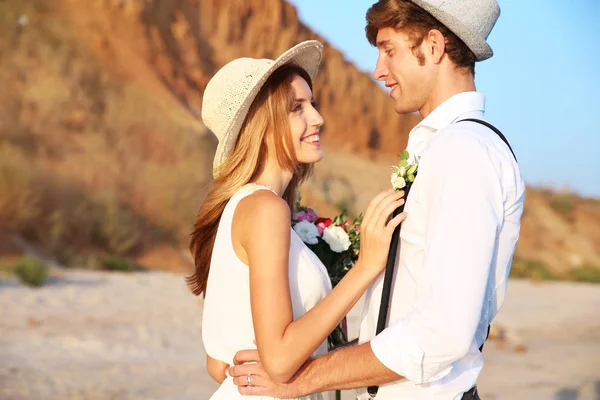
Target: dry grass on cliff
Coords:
[(89, 163)]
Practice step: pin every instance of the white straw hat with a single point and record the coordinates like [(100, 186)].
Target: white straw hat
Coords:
[(234, 87), (470, 20)]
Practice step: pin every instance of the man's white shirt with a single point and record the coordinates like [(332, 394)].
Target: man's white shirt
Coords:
[(456, 247)]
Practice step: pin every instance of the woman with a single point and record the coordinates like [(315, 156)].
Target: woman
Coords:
[(261, 283)]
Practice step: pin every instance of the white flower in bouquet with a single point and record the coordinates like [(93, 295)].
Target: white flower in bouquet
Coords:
[(337, 238), (307, 231)]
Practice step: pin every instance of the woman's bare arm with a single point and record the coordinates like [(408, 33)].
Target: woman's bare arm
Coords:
[(261, 225)]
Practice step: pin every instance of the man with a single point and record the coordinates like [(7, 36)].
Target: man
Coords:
[(464, 212)]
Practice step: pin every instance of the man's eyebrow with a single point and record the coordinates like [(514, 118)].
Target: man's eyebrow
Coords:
[(383, 43)]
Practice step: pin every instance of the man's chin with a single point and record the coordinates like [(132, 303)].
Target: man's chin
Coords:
[(401, 107), (405, 109)]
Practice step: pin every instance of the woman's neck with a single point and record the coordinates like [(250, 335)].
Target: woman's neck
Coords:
[(275, 178)]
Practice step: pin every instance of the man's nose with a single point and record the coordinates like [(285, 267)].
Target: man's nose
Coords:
[(381, 70)]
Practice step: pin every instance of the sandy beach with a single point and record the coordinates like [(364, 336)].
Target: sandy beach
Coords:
[(101, 336)]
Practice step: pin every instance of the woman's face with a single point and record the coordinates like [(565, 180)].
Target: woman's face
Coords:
[(305, 123)]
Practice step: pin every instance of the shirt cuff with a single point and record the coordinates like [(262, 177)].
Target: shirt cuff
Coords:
[(400, 354)]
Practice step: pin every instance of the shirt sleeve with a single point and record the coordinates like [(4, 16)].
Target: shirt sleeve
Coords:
[(463, 205)]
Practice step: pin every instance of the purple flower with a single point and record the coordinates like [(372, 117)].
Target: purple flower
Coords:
[(308, 215)]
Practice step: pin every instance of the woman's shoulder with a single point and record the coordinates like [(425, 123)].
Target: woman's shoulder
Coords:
[(263, 205), (261, 217)]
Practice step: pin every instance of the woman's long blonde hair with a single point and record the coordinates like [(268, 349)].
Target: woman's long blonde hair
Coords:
[(267, 117)]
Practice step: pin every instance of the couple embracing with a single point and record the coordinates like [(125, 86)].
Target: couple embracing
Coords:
[(269, 306)]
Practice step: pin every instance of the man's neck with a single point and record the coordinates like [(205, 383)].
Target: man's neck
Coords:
[(447, 86)]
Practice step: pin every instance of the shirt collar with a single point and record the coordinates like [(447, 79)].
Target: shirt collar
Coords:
[(451, 109)]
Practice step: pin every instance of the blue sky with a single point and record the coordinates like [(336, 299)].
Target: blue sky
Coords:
[(542, 85)]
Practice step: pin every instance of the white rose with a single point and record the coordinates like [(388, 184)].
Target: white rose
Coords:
[(336, 238), (307, 231), (398, 182)]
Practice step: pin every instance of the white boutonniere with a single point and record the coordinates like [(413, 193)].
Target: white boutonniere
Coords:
[(404, 172)]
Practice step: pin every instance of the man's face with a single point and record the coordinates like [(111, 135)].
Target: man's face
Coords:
[(406, 71)]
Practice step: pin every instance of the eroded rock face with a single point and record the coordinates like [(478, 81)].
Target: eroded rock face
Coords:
[(104, 97), (187, 41)]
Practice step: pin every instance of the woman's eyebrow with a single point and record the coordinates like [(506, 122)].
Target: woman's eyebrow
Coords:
[(301, 99)]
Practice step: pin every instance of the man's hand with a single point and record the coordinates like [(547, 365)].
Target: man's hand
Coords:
[(247, 363), (345, 368)]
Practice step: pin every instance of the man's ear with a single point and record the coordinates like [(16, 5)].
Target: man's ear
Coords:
[(435, 44)]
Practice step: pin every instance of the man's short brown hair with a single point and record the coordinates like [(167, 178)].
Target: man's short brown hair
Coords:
[(406, 16)]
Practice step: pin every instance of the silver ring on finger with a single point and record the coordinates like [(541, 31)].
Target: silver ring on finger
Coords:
[(248, 380)]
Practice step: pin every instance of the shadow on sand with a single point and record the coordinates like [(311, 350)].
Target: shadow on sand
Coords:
[(575, 393)]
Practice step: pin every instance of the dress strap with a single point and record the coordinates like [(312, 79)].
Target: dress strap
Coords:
[(228, 212), (253, 187)]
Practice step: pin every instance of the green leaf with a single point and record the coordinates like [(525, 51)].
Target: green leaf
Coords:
[(403, 163), (412, 169), (405, 155)]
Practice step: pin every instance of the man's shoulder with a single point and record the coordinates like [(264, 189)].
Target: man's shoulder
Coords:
[(473, 145), (466, 137), (458, 137)]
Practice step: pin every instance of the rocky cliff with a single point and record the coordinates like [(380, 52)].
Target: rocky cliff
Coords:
[(102, 150), (185, 42)]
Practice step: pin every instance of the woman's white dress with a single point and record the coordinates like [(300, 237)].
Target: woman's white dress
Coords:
[(227, 319)]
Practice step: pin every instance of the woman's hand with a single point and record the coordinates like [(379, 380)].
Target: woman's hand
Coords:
[(376, 230), (216, 369)]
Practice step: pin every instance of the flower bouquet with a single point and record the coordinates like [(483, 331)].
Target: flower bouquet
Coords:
[(336, 242)]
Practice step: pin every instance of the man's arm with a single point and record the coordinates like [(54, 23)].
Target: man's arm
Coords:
[(345, 368)]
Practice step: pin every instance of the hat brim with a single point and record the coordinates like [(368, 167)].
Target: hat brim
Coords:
[(306, 55), (477, 44)]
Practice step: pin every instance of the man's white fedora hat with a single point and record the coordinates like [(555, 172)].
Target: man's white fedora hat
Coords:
[(234, 87), (470, 20)]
